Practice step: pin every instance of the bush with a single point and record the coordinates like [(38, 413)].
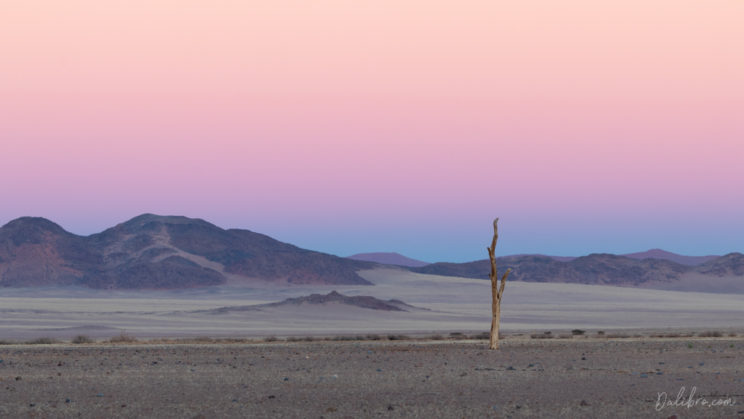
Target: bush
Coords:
[(398, 337), (710, 334), (545, 335), (80, 339), (373, 337), (577, 332), (484, 336), (270, 339)]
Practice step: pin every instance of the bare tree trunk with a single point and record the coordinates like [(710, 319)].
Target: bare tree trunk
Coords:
[(497, 290)]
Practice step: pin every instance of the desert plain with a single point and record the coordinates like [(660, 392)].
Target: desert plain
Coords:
[(227, 352)]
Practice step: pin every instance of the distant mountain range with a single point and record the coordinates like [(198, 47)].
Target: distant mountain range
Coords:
[(603, 269), (673, 257), (173, 252), (389, 258), (392, 258), (160, 252)]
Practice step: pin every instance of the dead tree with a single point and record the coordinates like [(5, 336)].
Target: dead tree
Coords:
[(497, 291)]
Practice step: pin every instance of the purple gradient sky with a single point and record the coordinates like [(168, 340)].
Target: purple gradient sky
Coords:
[(403, 125)]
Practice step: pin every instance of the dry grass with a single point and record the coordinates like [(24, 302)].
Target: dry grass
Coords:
[(123, 338), (485, 336), (42, 341), (710, 334)]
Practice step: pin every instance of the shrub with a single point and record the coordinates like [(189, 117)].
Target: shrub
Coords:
[(398, 337), (373, 337), (710, 334), (80, 339), (270, 339), (577, 332), (484, 336)]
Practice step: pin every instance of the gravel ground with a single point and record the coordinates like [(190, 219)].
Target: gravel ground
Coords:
[(573, 378)]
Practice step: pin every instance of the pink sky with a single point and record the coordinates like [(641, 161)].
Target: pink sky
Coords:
[(382, 126)]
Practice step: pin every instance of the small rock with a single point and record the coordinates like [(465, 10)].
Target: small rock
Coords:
[(67, 400), (31, 404), (644, 375), (583, 403), (18, 378), (510, 368), (272, 396), (379, 370), (286, 378), (99, 395), (390, 407)]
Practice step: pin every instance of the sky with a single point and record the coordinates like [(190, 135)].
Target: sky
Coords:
[(387, 125)]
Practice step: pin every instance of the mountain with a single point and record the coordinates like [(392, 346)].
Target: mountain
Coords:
[(160, 252), (673, 257), (388, 258), (603, 269)]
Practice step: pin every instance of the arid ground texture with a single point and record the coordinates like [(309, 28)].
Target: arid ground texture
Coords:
[(581, 377)]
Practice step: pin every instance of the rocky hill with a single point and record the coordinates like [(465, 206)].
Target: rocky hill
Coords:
[(361, 301), (160, 252)]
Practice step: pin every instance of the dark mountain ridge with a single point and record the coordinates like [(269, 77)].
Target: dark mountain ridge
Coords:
[(598, 268), (160, 252)]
